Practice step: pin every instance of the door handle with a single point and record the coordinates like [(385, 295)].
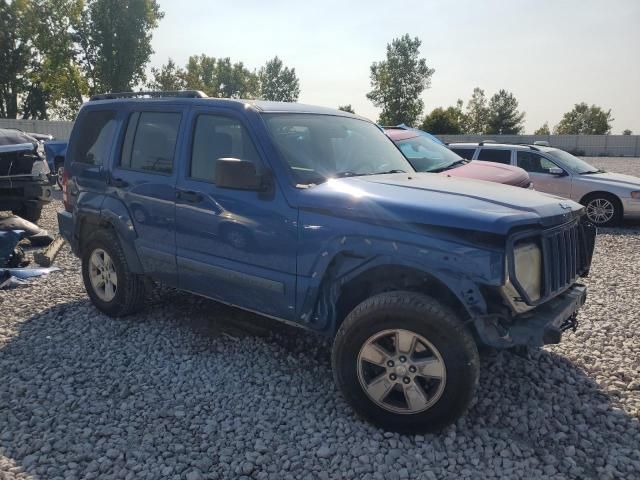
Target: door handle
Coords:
[(119, 182), (189, 196)]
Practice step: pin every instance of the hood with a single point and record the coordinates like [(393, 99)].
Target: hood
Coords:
[(437, 200), (491, 172), (615, 179)]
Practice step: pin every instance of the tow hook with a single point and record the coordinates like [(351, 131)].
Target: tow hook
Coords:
[(570, 323)]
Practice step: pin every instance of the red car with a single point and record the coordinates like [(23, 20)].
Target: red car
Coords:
[(426, 155)]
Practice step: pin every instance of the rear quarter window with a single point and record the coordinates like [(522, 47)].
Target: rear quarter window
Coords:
[(464, 152), (94, 138), (495, 155)]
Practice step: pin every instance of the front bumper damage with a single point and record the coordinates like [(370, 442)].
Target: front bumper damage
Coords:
[(541, 326)]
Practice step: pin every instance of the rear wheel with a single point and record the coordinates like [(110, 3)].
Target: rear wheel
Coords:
[(29, 212), (405, 362), (603, 210), (111, 286)]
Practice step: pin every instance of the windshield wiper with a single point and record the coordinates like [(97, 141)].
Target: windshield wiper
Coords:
[(592, 171), (448, 167), (349, 174), (396, 170)]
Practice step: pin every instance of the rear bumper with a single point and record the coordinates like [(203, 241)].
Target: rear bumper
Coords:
[(66, 226), (541, 326), (16, 193)]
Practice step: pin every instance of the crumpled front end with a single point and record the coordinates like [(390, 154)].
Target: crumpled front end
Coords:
[(541, 295), (24, 176)]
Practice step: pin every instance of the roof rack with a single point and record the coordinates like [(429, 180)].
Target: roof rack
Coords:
[(532, 147), (486, 141), (150, 94)]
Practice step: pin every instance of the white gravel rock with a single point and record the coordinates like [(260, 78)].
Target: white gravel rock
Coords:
[(192, 390)]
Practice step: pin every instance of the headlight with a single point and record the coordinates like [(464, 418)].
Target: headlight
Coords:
[(528, 268), (635, 195)]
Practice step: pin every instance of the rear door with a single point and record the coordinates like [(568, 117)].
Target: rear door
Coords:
[(144, 178), (543, 180), (233, 245)]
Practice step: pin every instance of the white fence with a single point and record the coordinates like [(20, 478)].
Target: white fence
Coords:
[(587, 145), (60, 130)]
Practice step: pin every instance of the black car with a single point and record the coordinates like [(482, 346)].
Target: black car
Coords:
[(25, 182)]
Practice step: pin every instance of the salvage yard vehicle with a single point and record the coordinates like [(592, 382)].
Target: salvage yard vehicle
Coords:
[(407, 272), (608, 197), (25, 185), (428, 155)]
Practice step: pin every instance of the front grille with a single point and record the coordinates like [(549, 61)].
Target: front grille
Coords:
[(566, 252)]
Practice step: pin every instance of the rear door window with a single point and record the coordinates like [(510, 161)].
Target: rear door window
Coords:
[(93, 141), (465, 152), (534, 163), (150, 142), (495, 155)]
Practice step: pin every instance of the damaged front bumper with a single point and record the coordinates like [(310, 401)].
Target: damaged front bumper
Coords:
[(541, 326)]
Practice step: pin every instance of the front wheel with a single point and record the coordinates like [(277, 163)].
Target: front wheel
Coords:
[(603, 210), (405, 362)]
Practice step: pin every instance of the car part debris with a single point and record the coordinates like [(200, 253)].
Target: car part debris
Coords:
[(37, 236), (46, 258), (17, 277), (10, 254)]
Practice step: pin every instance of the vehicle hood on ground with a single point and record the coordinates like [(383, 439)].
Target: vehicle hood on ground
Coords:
[(436, 200), (492, 172), (613, 179)]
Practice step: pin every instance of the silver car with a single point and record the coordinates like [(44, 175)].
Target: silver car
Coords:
[(608, 197)]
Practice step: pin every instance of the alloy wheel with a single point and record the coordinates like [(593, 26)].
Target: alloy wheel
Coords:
[(600, 210), (103, 276), (401, 371)]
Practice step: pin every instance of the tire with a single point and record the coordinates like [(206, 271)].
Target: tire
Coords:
[(29, 212), (59, 166), (129, 292), (599, 205), (450, 345)]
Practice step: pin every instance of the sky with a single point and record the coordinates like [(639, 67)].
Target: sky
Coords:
[(550, 54)]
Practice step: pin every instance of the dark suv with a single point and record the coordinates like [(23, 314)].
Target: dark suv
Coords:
[(25, 183), (312, 216)]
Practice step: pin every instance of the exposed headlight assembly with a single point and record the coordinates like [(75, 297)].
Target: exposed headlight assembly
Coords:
[(528, 269)]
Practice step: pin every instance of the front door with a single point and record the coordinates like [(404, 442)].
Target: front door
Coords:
[(544, 178), (233, 245), (144, 178)]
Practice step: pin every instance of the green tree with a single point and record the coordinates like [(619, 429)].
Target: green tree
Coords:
[(15, 54), (627, 132), (56, 82), (543, 130), (346, 108), (445, 121), (398, 81), (277, 82), (504, 117), (115, 39), (219, 77), (477, 113), (168, 77), (585, 120)]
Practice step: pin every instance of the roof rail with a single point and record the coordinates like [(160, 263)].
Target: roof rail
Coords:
[(532, 147), (150, 94), (486, 141)]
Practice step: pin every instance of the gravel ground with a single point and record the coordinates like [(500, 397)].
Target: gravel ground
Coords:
[(191, 389)]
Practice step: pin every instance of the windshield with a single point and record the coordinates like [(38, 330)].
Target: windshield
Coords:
[(571, 162), (319, 147), (426, 155)]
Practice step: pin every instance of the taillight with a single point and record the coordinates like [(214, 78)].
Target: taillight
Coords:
[(65, 193)]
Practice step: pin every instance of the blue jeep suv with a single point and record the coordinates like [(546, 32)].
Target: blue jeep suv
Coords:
[(312, 216)]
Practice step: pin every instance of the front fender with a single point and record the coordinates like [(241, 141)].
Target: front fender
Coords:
[(460, 268)]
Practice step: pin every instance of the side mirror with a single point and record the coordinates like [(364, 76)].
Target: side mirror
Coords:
[(557, 171), (238, 175)]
